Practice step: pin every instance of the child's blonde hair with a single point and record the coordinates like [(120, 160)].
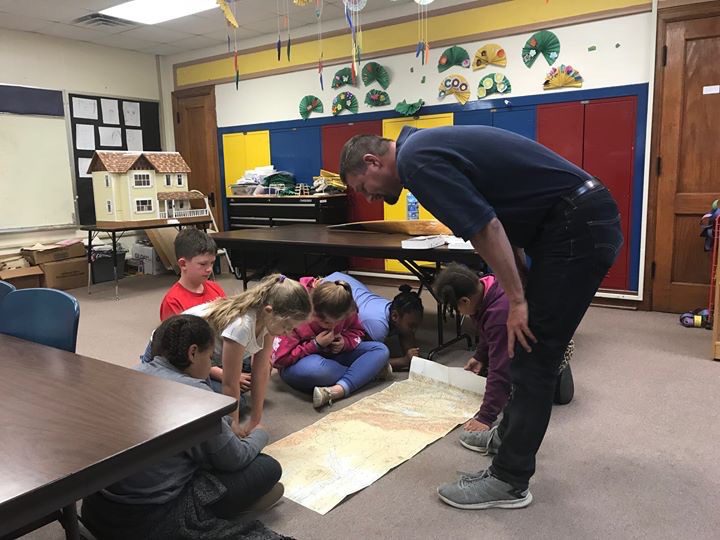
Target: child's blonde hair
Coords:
[(288, 299), (332, 299)]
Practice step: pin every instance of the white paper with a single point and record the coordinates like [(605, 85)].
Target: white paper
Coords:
[(131, 113), (110, 111), (84, 137), (83, 164), (134, 139), (712, 89), (453, 376), (85, 108), (110, 136)]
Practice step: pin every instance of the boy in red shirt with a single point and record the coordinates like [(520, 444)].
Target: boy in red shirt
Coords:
[(195, 252)]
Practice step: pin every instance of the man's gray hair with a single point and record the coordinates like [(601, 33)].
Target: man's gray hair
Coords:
[(351, 157)]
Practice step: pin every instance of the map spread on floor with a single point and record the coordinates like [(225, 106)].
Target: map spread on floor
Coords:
[(349, 449)]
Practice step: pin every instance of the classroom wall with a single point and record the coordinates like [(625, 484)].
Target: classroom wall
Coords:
[(622, 56), (32, 59), (166, 63)]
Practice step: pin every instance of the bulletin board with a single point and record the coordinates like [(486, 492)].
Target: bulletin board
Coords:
[(108, 123), (36, 190)]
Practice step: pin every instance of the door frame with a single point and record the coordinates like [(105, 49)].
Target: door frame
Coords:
[(665, 17), (201, 91)]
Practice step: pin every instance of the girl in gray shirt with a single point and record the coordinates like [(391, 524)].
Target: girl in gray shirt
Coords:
[(204, 486)]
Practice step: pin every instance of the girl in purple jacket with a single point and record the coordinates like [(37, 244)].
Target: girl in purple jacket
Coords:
[(484, 301)]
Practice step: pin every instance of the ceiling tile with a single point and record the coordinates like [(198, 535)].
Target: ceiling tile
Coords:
[(242, 33), (122, 41), (162, 49), (50, 10), (22, 23), (196, 42), (155, 34), (196, 25), (69, 31)]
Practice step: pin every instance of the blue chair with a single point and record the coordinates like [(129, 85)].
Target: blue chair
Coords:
[(5, 289), (49, 317), (46, 316)]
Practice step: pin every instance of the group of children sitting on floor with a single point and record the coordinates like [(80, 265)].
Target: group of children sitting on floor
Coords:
[(327, 337)]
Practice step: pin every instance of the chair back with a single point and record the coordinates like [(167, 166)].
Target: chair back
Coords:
[(5, 289), (46, 316)]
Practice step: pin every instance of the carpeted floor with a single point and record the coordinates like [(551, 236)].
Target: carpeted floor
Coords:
[(635, 455)]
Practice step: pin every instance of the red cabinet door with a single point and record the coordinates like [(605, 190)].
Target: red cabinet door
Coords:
[(333, 139), (608, 154), (560, 127)]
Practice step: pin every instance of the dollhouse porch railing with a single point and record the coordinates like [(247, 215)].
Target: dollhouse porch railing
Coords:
[(185, 213)]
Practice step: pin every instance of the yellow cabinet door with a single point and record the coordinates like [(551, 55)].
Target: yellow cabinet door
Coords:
[(243, 151), (398, 211)]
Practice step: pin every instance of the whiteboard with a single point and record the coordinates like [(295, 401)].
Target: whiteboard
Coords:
[(36, 183)]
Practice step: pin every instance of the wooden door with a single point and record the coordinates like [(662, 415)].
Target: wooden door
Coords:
[(196, 139), (334, 138), (688, 177)]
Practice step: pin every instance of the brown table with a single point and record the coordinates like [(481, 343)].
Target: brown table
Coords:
[(121, 227), (318, 239), (72, 425)]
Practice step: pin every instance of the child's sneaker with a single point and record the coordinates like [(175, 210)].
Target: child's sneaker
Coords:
[(483, 490), (385, 373), (321, 397), (270, 499), (485, 442)]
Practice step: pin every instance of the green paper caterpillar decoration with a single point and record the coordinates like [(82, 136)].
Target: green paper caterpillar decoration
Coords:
[(344, 101), (377, 98), (310, 104)]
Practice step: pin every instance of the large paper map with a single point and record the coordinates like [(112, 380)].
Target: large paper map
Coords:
[(349, 449)]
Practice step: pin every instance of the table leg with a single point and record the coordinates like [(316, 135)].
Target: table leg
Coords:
[(89, 257), (115, 267), (70, 522)]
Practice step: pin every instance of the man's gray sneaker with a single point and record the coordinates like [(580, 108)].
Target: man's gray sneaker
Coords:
[(482, 490), (485, 442)]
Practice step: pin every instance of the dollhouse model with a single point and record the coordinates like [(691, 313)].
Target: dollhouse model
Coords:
[(136, 186)]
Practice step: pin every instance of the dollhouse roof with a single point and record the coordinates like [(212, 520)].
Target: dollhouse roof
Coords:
[(179, 195), (121, 162)]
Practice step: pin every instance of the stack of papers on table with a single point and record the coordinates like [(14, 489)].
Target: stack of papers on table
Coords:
[(423, 242)]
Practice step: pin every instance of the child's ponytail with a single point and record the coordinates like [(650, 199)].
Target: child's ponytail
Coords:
[(332, 299), (287, 297), (454, 282)]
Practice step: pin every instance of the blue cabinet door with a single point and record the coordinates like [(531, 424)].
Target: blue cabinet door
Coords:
[(474, 118), (297, 150), (521, 120)]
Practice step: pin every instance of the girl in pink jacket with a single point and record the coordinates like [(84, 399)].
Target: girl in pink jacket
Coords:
[(328, 356)]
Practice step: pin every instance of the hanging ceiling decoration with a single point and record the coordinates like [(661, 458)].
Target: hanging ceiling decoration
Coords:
[(231, 19), (283, 23), (352, 15), (423, 46), (318, 15)]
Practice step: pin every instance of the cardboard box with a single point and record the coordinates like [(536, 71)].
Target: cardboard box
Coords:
[(151, 263), (46, 253), (13, 262), (23, 278), (67, 274)]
